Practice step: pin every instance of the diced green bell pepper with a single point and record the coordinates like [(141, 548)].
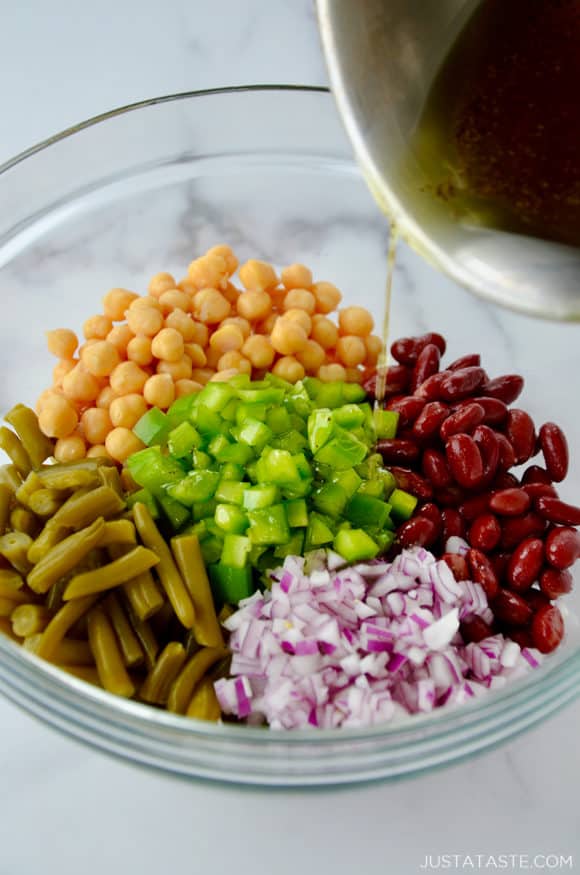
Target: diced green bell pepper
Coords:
[(386, 422), (364, 511), (330, 499), (183, 440), (320, 428), (143, 496), (269, 525), (236, 551), (257, 497), (195, 487), (342, 451), (402, 503), (154, 471), (296, 513), (355, 545), (231, 519), (153, 427), (231, 492)]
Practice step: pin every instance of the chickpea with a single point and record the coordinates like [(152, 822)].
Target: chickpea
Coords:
[(296, 276), (173, 299), (259, 351), (57, 417), (353, 375), (79, 385), (128, 378), (70, 449), (116, 303), (209, 271), (122, 443), (159, 391), (183, 323), (224, 376), (120, 337), (288, 368), (288, 336), (231, 294), (144, 321), (186, 285), (105, 398), (301, 299), (196, 354), (242, 324), (98, 451), (44, 396), (139, 350), (61, 369), (124, 412), (300, 316), (227, 253), (327, 297), (351, 350), (267, 325), (324, 332), (233, 360), (226, 338), (168, 345), (186, 387), (278, 296), (96, 424), (159, 283), (144, 303), (213, 356), (180, 370), (202, 375), (254, 305), (97, 327), (209, 306), (100, 358), (258, 275), (62, 343), (311, 357), (201, 334), (333, 373), (355, 320), (374, 347)]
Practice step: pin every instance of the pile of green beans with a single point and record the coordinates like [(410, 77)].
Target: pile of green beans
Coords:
[(93, 586)]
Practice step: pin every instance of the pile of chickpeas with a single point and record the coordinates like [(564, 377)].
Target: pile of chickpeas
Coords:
[(146, 351)]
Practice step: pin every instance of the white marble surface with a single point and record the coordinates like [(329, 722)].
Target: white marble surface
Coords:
[(65, 808)]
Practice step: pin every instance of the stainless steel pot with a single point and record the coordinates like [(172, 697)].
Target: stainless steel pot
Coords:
[(382, 57)]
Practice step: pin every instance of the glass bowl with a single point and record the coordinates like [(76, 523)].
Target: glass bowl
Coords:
[(269, 171)]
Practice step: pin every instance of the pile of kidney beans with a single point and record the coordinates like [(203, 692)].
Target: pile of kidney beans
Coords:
[(457, 440)]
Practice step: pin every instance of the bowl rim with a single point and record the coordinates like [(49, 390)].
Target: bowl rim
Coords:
[(433, 725)]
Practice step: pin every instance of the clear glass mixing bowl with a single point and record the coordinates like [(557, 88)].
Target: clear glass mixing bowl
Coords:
[(269, 171)]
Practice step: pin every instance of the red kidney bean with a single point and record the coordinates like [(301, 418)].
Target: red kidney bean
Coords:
[(499, 562), (398, 379), (408, 407), (397, 450), (523, 637), (406, 350), (505, 480), (460, 384), (474, 506), (538, 490), (515, 529), (431, 388), (475, 629), (535, 474), (510, 502), (457, 564), (426, 365), (525, 564), (535, 599), (509, 607), (429, 420), (555, 449), (494, 411), (562, 547), (464, 460), (450, 496), (557, 511), (507, 457), (486, 440), (418, 531), (472, 359), (434, 467), (482, 572), (547, 628), (521, 434), (484, 533), (464, 420), (555, 583), (432, 512), (507, 388), (452, 524), (413, 483)]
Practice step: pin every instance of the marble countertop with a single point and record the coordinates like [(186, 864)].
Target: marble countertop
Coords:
[(65, 808)]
